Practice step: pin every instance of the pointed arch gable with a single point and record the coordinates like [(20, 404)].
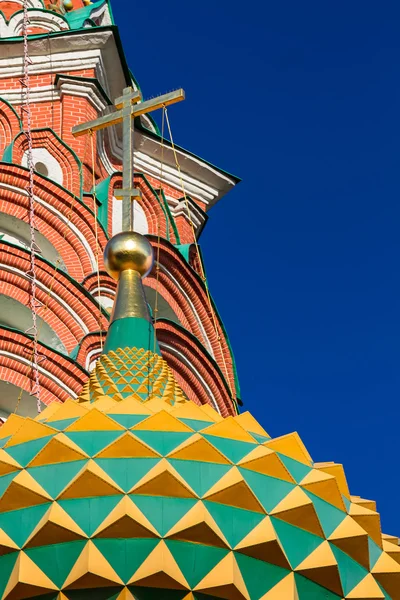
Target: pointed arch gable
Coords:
[(66, 158)]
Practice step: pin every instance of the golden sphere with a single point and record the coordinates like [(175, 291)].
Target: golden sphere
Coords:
[(128, 250)]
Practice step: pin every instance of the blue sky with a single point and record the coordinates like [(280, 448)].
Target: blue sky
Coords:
[(302, 101)]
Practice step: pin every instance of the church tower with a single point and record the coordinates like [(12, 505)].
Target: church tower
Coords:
[(76, 69), (127, 471)]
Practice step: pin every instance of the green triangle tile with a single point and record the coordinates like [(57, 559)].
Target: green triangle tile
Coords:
[(232, 449), (125, 555), (57, 560), (24, 453), (93, 442), (128, 421), (201, 476), (7, 563), (19, 524), (4, 441), (196, 424), (5, 481), (62, 424), (297, 543), (195, 560), (374, 552), (260, 438), (259, 576), (269, 490), (235, 523), (163, 513), (54, 478), (347, 503), (329, 516), (162, 442), (126, 472), (351, 572), (88, 513), (308, 590), (297, 470)]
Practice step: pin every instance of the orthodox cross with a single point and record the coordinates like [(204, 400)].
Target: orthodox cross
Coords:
[(128, 107)]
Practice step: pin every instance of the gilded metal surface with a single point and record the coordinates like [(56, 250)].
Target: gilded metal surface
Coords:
[(130, 300), (128, 251)]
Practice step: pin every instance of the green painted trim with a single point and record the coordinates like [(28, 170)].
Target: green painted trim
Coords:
[(102, 191), (64, 356), (76, 18), (13, 110), (131, 332), (93, 80), (184, 249)]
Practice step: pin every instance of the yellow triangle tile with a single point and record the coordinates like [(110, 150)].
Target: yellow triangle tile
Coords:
[(27, 580), (232, 490), (11, 426), (30, 430), (211, 412), (224, 581), (391, 539), (91, 570), (250, 424), (324, 486), (23, 491), (162, 421), (7, 545), (190, 410), (297, 509), (163, 480), (386, 571), (157, 405), (199, 449), (393, 550), (126, 521), (229, 428), (338, 472), (90, 481), (266, 461), (263, 544), (69, 410), (48, 411), (160, 570), (59, 449), (371, 504), (366, 589), (125, 595), (7, 463), (104, 404), (284, 590), (352, 539), (321, 567), (292, 446), (56, 526), (94, 420), (199, 527), (127, 446), (129, 406), (369, 520)]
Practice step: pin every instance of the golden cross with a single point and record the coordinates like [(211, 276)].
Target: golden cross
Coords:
[(128, 107)]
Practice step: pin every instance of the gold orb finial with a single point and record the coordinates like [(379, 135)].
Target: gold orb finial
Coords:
[(128, 250)]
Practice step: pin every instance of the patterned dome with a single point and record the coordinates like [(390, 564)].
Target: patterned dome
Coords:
[(113, 497)]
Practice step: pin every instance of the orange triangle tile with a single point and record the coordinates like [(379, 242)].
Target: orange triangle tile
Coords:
[(266, 461), (126, 521), (232, 490), (199, 449), (91, 570), (352, 539), (338, 472), (263, 544), (59, 449), (30, 430), (55, 527), (23, 492), (250, 424), (199, 527), (229, 428), (160, 570), (69, 410), (290, 445), (163, 480), (127, 446), (7, 545), (7, 463), (368, 520), (162, 421), (321, 567), (324, 486), (90, 481), (224, 581), (94, 420), (11, 426), (297, 509), (27, 580)]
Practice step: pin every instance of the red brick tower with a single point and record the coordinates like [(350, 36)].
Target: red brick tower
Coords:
[(77, 68)]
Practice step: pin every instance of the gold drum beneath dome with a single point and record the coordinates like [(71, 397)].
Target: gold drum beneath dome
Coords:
[(128, 250)]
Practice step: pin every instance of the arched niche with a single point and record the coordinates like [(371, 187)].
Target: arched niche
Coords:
[(18, 316), (17, 232)]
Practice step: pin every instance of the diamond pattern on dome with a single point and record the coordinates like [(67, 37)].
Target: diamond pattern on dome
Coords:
[(140, 500)]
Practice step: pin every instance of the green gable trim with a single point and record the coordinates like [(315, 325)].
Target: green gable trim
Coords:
[(10, 106)]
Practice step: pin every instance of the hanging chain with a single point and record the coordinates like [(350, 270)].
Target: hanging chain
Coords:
[(34, 303)]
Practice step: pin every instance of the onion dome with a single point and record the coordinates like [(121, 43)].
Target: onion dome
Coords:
[(135, 492)]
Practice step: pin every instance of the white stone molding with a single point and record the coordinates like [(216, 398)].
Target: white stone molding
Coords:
[(41, 156), (51, 22)]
